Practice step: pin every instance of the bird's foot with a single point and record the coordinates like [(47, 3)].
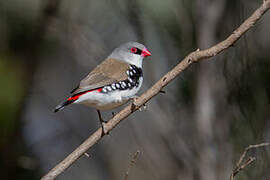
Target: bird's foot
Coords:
[(104, 132), (102, 123), (134, 98)]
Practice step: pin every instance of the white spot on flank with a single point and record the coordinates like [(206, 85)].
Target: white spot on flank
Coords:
[(123, 84)]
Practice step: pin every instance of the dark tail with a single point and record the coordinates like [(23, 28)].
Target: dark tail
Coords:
[(72, 99), (62, 105)]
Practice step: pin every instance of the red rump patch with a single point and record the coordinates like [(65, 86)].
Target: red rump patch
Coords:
[(76, 96)]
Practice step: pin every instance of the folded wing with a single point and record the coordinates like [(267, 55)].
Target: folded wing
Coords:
[(108, 72)]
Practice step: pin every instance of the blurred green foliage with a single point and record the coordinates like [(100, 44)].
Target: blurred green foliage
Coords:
[(12, 93)]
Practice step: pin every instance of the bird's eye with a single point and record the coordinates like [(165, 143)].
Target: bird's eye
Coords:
[(133, 50)]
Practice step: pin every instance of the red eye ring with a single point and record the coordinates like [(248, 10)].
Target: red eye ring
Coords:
[(133, 50)]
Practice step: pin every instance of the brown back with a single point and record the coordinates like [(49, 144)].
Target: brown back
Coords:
[(108, 72)]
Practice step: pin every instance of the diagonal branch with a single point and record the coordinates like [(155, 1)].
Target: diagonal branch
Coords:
[(195, 56), (240, 165)]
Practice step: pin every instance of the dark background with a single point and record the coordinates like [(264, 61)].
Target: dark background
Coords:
[(197, 130)]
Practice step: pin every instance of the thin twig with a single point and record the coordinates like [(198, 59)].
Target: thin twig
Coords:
[(195, 56), (240, 165), (132, 163), (86, 154), (240, 168)]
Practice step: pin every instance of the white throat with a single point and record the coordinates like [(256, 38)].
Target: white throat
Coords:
[(135, 60)]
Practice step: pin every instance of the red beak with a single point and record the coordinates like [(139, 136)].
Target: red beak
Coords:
[(145, 52)]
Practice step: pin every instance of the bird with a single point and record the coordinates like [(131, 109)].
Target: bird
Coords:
[(113, 82)]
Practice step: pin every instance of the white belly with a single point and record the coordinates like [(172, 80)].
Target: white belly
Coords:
[(110, 100)]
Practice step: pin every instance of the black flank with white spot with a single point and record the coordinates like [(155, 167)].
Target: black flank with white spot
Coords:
[(134, 73)]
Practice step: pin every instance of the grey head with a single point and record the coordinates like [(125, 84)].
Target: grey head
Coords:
[(131, 52)]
